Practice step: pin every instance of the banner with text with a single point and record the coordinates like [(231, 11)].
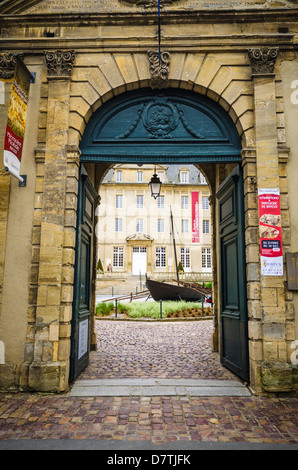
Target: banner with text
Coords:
[(270, 232), (195, 217), (16, 121)]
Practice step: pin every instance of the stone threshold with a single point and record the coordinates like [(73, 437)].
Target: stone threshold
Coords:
[(158, 387), (120, 317)]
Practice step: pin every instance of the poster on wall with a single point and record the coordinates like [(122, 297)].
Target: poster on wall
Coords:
[(16, 121), (270, 232), (195, 216)]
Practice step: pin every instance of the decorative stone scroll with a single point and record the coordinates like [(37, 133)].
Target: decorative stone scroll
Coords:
[(159, 70), (7, 64), (262, 60), (59, 63)]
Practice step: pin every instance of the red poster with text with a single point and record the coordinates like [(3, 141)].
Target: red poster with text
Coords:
[(270, 232), (16, 121), (195, 217)]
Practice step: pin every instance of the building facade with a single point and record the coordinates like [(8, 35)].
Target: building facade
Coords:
[(220, 94), (135, 230)]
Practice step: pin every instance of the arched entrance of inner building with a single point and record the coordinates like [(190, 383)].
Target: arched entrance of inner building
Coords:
[(172, 126)]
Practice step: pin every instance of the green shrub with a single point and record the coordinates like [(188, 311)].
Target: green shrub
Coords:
[(180, 267), (103, 309), (99, 265), (121, 308), (152, 309)]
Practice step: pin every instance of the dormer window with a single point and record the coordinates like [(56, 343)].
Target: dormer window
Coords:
[(184, 176)]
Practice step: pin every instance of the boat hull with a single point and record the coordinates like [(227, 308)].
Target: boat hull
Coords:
[(163, 291)]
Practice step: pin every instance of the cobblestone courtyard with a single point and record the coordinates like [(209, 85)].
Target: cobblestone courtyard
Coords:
[(151, 349), (143, 349)]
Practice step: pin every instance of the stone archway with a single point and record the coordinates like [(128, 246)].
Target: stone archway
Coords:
[(175, 126)]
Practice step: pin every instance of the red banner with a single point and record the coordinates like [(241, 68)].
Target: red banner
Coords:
[(270, 232), (195, 217), (16, 121)]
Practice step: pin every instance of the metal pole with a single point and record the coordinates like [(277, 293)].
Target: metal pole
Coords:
[(160, 304), (159, 50), (116, 302)]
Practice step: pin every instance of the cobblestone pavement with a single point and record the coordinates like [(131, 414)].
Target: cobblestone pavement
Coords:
[(173, 350), (158, 419)]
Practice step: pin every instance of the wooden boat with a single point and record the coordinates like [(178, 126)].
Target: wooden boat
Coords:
[(165, 291), (179, 291)]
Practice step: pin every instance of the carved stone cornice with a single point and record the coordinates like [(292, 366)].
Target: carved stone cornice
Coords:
[(149, 3), (262, 60), (7, 64), (59, 64), (159, 70)]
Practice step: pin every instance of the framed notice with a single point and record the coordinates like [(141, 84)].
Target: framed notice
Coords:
[(195, 216), (270, 232), (16, 120), (83, 338)]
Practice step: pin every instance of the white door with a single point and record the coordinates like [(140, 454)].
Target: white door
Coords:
[(139, 260)]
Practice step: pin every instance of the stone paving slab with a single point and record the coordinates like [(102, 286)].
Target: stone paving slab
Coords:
[(158, 387), (137, 447)]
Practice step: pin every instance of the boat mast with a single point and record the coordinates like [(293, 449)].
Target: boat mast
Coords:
[(174, 245)]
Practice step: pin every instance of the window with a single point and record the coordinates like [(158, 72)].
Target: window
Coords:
[(206, 258), (119, 201), (118, 225), (140, 177), (119, 176), (160, 225), (184, 202), (205, 226), (161, 202), (185, 257), (118, 256), (139, 225), (203, 179), (183, 176), (160, 257), (140, 202), (205, 202), (184, 225)]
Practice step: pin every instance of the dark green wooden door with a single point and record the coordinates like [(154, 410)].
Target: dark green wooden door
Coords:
[(82, 283), (233, 302)]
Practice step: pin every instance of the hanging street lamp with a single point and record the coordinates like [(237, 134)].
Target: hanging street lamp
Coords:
[(155, 185)]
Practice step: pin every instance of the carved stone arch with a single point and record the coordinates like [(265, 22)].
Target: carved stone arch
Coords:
[(134, 125), (230, 87)]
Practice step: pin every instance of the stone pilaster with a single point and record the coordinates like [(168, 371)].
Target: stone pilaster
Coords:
[(276, 374), (50, 354)]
